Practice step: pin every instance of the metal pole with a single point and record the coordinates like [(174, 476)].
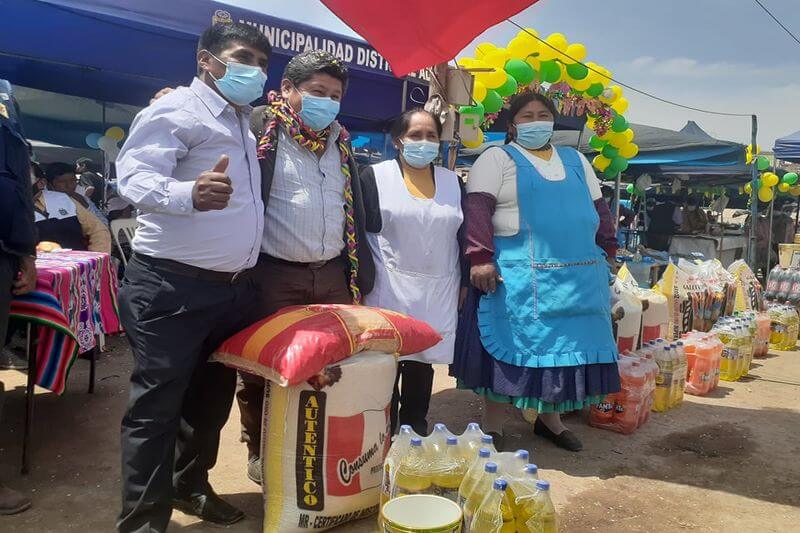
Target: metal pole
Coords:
[(617, 200), (769, 240), (405, 95), (751, 246), (106, 164)]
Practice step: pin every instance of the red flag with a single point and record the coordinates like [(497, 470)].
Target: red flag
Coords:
[(414, 34)]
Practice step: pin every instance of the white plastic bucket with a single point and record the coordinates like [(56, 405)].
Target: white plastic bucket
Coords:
[(421, 513)]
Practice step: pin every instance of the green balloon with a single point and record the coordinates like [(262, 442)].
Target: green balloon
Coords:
[(790, 178), (610, 152), (618, 164), (630, 188), (758, 184), (762, 163), (493, 102), (619, 124), (610, 173), (596, 142), (476, 109), (520, 70), (549, 71), (509, 87), (595, 90), (577, 71)]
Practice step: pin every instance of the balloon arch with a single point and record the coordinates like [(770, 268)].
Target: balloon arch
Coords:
[(556, 68)]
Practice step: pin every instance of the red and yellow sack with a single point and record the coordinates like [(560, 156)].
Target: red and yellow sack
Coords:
[(297, 342)]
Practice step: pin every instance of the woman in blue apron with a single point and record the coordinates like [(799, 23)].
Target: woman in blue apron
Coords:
[(535, 331)]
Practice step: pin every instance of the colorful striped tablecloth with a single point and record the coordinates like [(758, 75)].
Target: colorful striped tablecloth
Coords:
[(75, 299)]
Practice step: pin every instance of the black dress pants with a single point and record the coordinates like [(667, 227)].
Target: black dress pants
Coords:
[(179, 402), (412, 396)]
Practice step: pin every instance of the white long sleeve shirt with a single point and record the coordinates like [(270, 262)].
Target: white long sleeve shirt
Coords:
[(170, 144)]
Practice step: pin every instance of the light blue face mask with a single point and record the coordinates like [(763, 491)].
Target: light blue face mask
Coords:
[(318, 111), (534, 135), (419, 154), (241, 84)]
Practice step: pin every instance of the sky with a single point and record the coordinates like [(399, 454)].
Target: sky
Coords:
[(722, 55)]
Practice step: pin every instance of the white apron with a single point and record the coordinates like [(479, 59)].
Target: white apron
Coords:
[(416, 255)]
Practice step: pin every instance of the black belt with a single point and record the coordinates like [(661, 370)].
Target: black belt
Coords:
[(278, 261), (189, 271)]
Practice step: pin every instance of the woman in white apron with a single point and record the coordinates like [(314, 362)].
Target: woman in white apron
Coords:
[(414, 220)]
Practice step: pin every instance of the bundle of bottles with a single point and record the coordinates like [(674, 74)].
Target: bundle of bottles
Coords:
[(498, 492), (784, 325), (783, 286)]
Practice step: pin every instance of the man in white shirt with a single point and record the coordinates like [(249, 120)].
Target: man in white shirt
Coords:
[(190, 166)]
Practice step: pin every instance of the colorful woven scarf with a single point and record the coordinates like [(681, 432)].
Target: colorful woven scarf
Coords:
[(315, 141)]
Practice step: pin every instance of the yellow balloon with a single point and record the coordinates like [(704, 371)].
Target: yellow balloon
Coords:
[(116, 133), (576, 52), (611, 95), (475, 143), (493, 79), (769, 179), (617, 140), (765, 194), (591, 122), (483, 49), (497, 58), (479, 91), (528, 34), (522, 49), (620, 106), (748, 158), (579, 85), (629, 151), (465, 62), (601, 162), (557, 41), (748, 188), (784, 187), (534, 63), (795, 191), (629, 135)]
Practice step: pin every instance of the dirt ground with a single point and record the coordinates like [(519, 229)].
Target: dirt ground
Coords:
[(727, 462)]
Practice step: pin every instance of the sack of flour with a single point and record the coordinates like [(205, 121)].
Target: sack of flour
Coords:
[(749, 293), (323, 446)]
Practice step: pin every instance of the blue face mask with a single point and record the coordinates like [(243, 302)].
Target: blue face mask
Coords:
[(534, 135), (318, 112), (241, 84), (420, 154)]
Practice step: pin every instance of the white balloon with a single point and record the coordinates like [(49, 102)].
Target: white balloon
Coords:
[(107, 143)]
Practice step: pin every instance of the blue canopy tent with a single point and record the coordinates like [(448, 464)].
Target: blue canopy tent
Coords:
[(788, 148), (122, 52)]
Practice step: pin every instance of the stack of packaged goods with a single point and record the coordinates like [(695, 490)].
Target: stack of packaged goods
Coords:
[(737, 335), (670, 359), (761, 328), (703, 356), (784, 326), (748, 290), (498, 492), (628, 409)]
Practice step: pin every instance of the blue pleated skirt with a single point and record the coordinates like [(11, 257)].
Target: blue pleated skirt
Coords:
[(552, 389)]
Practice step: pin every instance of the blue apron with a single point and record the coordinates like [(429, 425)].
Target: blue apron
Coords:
[(553, 307)]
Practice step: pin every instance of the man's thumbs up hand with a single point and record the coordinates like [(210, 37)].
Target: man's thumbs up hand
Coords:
[(212, 190)]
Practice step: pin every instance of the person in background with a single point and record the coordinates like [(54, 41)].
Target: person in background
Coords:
[(414, 220), (694, 218), (535, 330), (17, 239), (61, 178), (189, 165), (62, 220), (626, 215), (90, 178), (313, 250)]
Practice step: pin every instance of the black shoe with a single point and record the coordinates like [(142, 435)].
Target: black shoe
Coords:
[(566, 439), (254, 471), (210, 508), (498, 440)]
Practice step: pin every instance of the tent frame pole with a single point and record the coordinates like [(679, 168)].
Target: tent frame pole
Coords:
[(616, 201), (769, 240), (751, 245)]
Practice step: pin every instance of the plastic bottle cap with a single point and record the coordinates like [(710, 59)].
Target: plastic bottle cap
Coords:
[(543, 485), (487, 439), (490, 467), (522, 454), (500, 484), (416, 441), (484, 452), (405, 428), (473, 426), (439, 427), (452, 441), (531, 468)]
